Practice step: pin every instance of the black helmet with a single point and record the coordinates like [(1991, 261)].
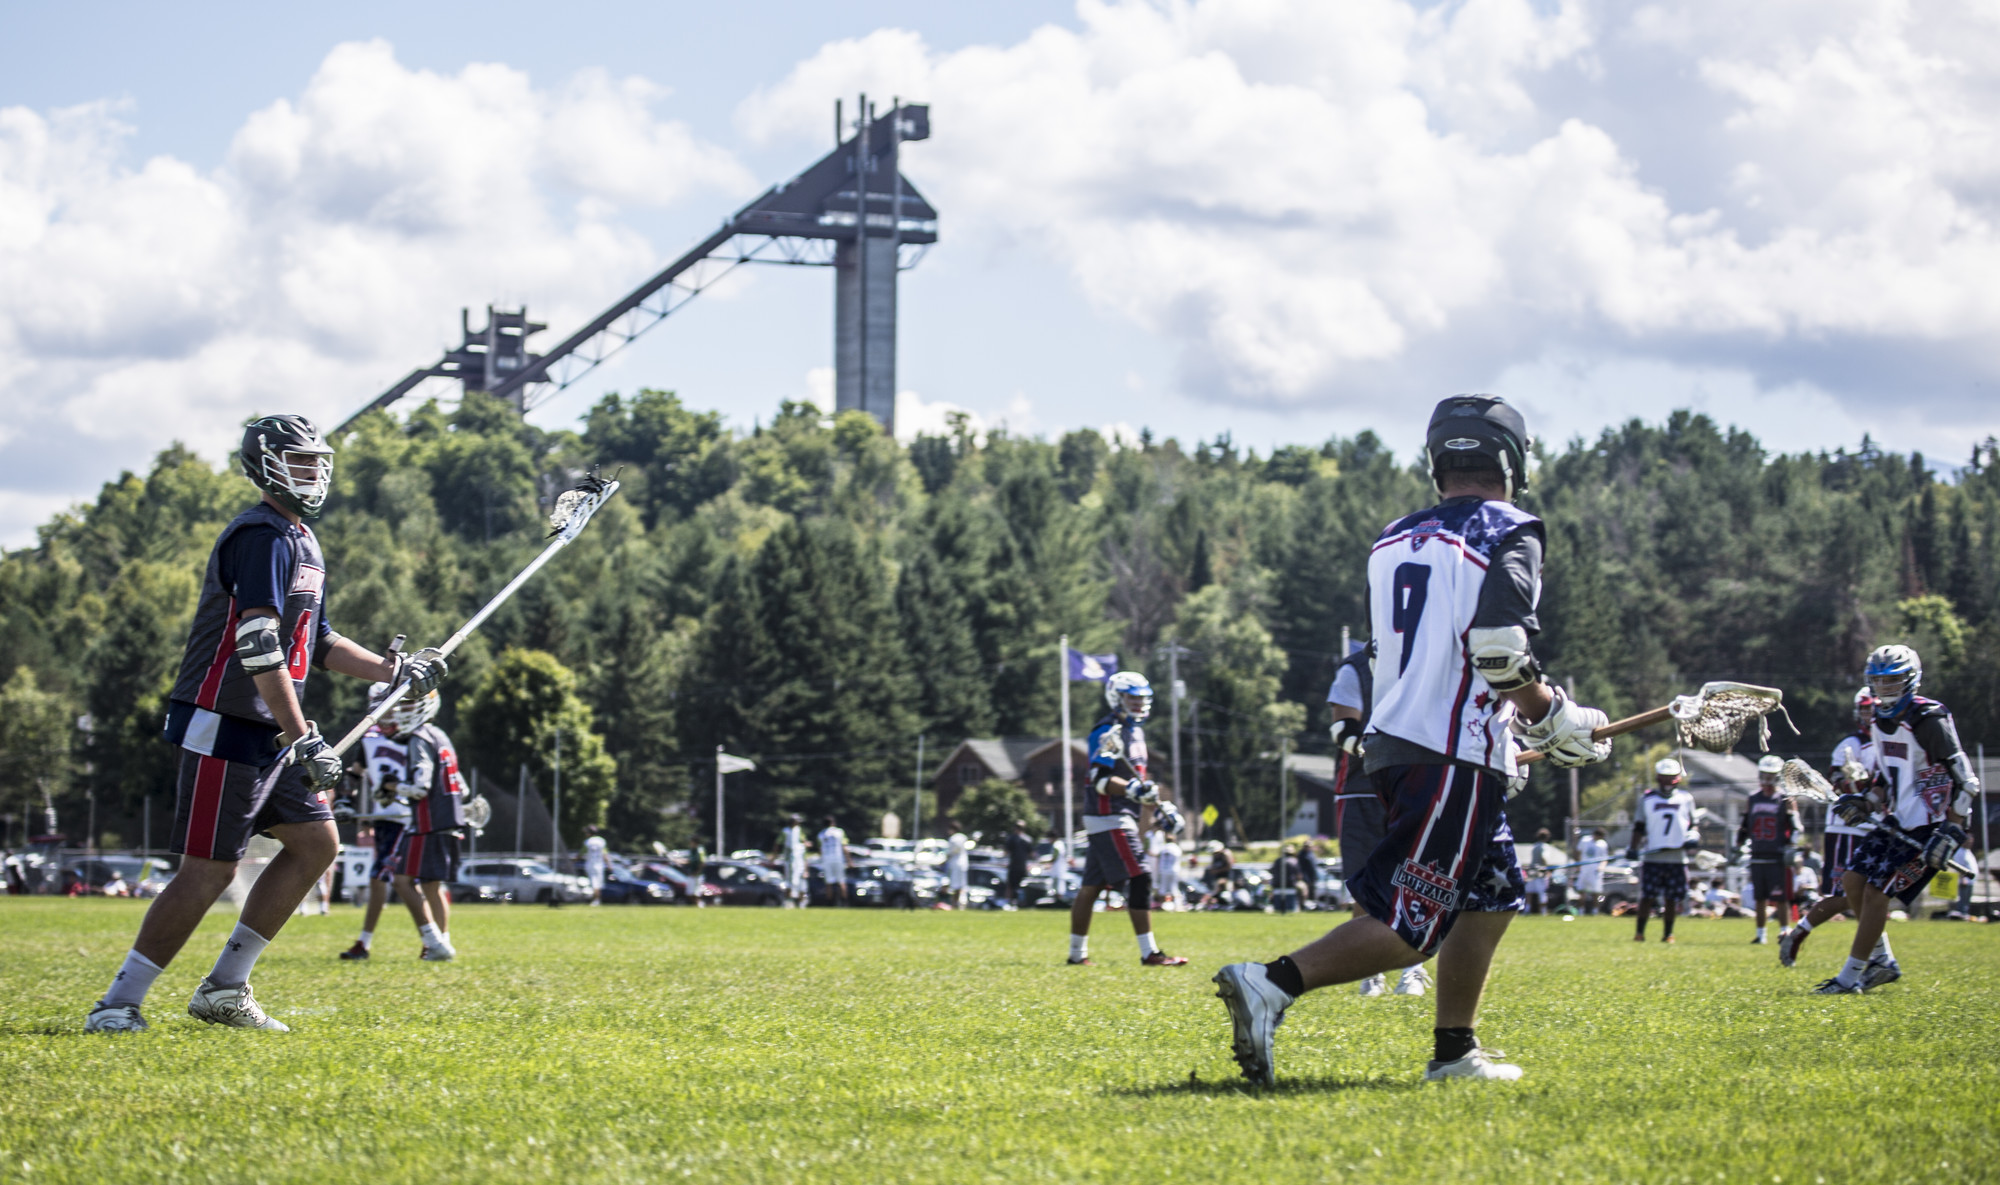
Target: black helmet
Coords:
[(272, 446), (1479, 432)]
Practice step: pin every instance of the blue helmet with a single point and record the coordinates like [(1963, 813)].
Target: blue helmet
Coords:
[(1894, 674), (1129, 684)]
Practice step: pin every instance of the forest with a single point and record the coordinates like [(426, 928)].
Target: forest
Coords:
[(815, 596)]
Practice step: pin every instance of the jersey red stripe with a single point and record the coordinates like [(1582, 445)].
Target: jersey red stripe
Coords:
[(211, 683), (205, 811)]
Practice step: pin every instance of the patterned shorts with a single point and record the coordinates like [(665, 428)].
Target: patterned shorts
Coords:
[(1447, 850), (219, 805), (1893, 863), (1663, 884), (1839, 858), (388, 833)]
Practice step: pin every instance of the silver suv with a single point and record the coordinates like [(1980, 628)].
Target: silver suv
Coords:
[(525, 880)]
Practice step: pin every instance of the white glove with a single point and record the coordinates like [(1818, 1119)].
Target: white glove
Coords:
[(1564, 733), (1142, 791)]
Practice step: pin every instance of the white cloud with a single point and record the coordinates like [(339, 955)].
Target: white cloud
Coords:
[(916, 416), (326, 256), (1322, 202)]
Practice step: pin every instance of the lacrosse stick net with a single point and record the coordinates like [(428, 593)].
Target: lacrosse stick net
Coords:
[(1717, 716), (1799, 780), (478, 812)]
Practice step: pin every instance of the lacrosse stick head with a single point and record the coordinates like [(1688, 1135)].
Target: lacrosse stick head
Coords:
[(1799, 780), (478, 812), (1715, 717), (575, 506)]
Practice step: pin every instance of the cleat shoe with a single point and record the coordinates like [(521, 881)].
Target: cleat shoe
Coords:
[(1833, 987), (357, 951), (234, 1007), (1880, 973), (438, 954), (1160, 958), (1639, 937), (1788, 945), (1481, 1065), (1668, 940), (1256, 1009), (114, 1018), (1413, 982), (1373, 986), (1759, 940), (1082, 962)]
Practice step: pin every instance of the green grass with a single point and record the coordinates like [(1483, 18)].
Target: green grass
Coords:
[(665, 1044)]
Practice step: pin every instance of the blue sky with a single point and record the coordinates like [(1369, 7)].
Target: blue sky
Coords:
[(1279, 219)]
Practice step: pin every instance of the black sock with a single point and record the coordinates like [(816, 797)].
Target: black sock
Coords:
[(1668, 932), (1453, 1044), (1285, 974)]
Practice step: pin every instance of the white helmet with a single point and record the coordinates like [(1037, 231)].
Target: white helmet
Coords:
[(1667, 767), (408, 715), (1129, 684), (1770, 763), (1894, 673)]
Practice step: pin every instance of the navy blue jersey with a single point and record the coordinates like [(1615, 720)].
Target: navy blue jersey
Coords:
[(433, 762), (1113, 741), (1770, 823)]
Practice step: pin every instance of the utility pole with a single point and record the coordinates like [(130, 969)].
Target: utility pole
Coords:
[(917, 806), (555, 817), (1175, 690)]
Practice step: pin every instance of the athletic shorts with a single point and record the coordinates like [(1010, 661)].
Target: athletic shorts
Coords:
[(1893, 864), (1770, 882), (387, 834), (1113, 858), (1446, 851), (595, 873), (427, 856), (1358, 822), (219, 805), (1664, 884), (1839, 858)]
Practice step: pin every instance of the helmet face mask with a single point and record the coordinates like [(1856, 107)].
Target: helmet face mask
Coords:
[(1894, 673), (1769, 767), (407, 715), (286, 458), (1864, 706), (1128, 695)]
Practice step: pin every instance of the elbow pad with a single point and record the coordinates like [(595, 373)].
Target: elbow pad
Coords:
[(1965, 784), (322, 647), (1502, 657), (257, 645)]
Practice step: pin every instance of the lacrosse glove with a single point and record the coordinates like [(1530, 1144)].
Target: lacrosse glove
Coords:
[(1943, 844), (424, 670), (316, 759), (1564, 734), (1143, 791), (385, 794), (1347, 737), (1852, 809), (1167, 817), (343, 808)]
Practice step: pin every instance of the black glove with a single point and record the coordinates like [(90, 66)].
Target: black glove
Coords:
[(425, 670), (1693, 845), (1347, 736), (1852, 809), (1631, 853), (343, 808), (316, 759), (1943, 844)]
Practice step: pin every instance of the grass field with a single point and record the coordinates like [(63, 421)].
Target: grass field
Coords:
[(766, 1045)]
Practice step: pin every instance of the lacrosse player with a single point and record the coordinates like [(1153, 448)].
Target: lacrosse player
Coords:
[(385, 764), (833, 861), (957, 864), (1166, 851), (1925, 788), (1452, 593), (1770, 824), (1591, 852), (1358, 811), (426, 858), (792, 847), (1855, 750), (1663, 833), (251, 761), (1119, 793), (596, 864)]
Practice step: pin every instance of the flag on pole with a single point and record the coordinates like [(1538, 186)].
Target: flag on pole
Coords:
[(1090, 668), (729, 764)]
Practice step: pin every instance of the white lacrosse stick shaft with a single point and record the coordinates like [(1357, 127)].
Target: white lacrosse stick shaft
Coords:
[(570, 528)]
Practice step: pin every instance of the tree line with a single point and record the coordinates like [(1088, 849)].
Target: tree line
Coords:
[(815, 596)]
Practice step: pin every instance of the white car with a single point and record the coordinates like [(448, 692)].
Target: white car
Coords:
[(525, 880)]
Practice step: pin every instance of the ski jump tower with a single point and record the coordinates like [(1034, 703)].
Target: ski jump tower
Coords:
[(853, 211)]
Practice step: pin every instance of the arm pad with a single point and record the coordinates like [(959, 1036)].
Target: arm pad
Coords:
[(257, 645), (1502, 658)]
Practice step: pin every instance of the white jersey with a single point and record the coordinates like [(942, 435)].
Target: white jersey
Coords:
[(1859, 750), (957, 853), (594, 856), (833, 848), (1590, 876), (384, 759), (1167, 868), (1424, 579), (1917, 789), (795, 846), (1669, 820)]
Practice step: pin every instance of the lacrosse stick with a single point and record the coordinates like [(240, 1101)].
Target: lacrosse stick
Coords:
[(478, 813), (1713, 718), (1800, 780), (573, 509)]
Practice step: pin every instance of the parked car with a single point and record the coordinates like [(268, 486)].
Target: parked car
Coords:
[(686, 888), (743, 883), (625, 887), (465, 893), (525, 879)]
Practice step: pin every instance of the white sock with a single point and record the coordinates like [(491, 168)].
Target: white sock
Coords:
[(134, 979), (446, 935), (429, 933), (239, 955), (1760, 931), (1804, 926), (1851, 973), (367, 939), (1079, 946), (1148, 946), (1882, 950)]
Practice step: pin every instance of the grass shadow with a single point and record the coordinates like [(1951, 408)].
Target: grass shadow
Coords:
[(1325, 1084)]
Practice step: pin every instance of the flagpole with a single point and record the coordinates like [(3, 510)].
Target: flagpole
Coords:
[(720, 853), (1069, 777)]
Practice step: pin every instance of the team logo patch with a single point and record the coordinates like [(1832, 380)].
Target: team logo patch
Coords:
[(1900, 750), (1424, 532), (309, 579), (1425, 881)]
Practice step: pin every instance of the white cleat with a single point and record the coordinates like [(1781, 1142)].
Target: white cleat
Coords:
[(1373, 986), (1256, 1009), (438, 954), (114, 1018), (232, 1006), (1480, 1065), (1414, 981)]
